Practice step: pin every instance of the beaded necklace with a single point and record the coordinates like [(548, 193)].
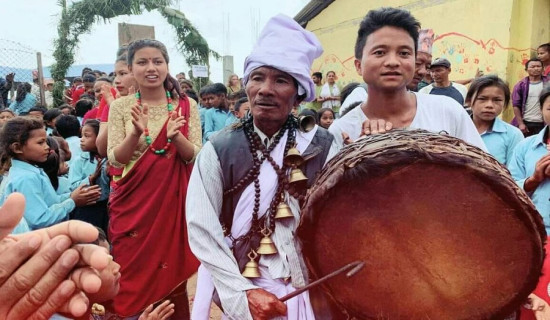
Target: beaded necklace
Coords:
[(255, 145), (148, 138)]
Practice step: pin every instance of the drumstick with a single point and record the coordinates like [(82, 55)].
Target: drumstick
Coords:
[(354, 266)]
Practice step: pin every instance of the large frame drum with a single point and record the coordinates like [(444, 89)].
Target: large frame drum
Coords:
[(443, 229)]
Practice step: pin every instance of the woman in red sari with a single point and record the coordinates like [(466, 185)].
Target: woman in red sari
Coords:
[(154, 136)]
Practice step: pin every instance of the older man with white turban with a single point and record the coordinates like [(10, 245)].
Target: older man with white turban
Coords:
[(240, 181)]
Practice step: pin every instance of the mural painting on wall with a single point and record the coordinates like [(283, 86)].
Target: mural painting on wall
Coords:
[(465, 54)]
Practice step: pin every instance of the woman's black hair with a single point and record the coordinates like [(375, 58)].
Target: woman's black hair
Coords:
[(22, 90), (171, 84), (51, 165), (92, 123), (487, 81), (16, 130)]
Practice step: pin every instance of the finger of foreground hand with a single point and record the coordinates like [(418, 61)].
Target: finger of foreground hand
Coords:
[(25, 278), (14, 252), (39, 294), (11, 213), (56, 300), (86, 279), (77, 306), (93, 256), (77, 231), (381, 125)]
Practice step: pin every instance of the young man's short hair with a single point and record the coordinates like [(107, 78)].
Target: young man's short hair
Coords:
[(68, 126), (219, 89), (386, 17), (204, 90), (318, 75)]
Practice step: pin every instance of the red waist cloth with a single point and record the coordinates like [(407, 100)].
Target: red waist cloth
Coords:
[(148, 229)]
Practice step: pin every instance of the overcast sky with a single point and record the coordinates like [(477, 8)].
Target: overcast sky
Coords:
[(33, 23)]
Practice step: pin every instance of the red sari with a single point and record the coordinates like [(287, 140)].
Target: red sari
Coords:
[(147, 226)]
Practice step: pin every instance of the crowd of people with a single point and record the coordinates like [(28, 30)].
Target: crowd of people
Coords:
[(176, 180)]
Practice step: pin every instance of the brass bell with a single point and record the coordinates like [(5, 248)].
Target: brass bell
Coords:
[(293, 158), (306, 123), (296, 175), (266, 245), (251, 269), (283, 211)]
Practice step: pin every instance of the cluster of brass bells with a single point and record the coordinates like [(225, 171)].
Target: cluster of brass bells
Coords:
[(294, 159), (251, 269)]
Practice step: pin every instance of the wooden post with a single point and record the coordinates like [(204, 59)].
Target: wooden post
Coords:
[(41, 79)]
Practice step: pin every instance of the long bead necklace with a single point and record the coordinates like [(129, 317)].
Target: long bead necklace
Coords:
[(255, 145), (148, 139)]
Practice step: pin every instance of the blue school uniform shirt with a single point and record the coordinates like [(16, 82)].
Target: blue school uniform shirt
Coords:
[(82, 168), (522, 166), (24, 106), (230, 119), (214, 120), (74, 146), (202, 112), (44, 207), (64, 185), (501, 140)]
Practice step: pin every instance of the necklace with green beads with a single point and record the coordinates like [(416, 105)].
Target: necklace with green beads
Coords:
[(148, 138)]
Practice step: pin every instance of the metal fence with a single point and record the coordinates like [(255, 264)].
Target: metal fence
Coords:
[(21, 60)]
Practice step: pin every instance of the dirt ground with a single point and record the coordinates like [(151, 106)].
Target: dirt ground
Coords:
[(215, 312)]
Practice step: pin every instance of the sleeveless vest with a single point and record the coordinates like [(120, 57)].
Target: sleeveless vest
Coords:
[(236, 161)]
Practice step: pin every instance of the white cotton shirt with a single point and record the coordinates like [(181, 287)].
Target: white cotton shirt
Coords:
[(433, 113), (358, 94), (532, 110)]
